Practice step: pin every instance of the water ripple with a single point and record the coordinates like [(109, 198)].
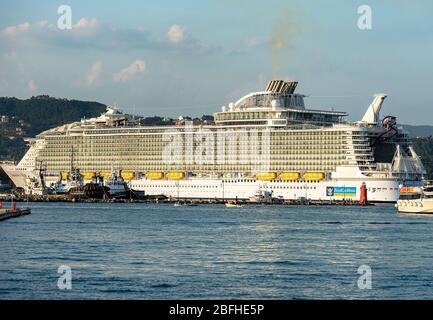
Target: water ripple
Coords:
[(146, 251)]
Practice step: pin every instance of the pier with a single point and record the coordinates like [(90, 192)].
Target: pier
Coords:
[(162, 199), (14, 212)]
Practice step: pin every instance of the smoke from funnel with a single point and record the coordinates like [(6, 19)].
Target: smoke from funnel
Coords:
[(285, 18), (284, 32)]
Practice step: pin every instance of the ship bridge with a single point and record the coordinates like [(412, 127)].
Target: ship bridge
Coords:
[(278, 105)]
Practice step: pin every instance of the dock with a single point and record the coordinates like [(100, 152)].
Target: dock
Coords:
[(162, 199), (6, 214)]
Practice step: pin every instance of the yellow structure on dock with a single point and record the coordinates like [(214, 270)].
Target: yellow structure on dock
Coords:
[(175, 175), (127, 175), (266, 176), (314, 176), (290, 176), (154, 175), (104, 174), (89, 175)]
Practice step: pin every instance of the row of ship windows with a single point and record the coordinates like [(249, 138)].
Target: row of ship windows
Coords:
[(200, 168), (226, 157), (228, 142), (120, 145), (275, 187), (312, 154), (242, 150), (156, 155), (215, 187), (274, 134)]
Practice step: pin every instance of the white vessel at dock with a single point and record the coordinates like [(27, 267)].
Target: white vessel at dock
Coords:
[(420, 200), (116, 185), (267, 142)]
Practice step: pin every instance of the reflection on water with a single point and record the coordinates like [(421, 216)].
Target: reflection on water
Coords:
[(270, 252)]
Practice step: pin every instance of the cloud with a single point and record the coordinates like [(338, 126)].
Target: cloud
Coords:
[(43, 30), (12, 31), (175, 34), (134, 68), (93, 74), (257, 42), (83, 23), (31, 85), (90, 33), (43, 24)]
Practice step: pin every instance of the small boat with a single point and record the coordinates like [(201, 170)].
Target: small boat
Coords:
[(116, 185), (184, 204), (417, 202), (233, 205), (72, 181)]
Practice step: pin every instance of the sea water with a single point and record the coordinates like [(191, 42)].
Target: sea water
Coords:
[(158, 251)]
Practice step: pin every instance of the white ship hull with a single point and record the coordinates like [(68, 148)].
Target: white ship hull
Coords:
[(244, 189), (424, 206), (379, 190), (18, 175)]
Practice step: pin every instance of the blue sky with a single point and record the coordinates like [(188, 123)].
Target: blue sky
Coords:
[(191, 57)]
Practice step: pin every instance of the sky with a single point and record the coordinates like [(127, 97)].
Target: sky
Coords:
[(173, 58)]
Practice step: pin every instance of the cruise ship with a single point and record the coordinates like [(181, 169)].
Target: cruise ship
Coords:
[(268, 142)]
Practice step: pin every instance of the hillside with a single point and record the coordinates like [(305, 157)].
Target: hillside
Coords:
[(418, 131), (44, 112), (27, 118), (424, 148)]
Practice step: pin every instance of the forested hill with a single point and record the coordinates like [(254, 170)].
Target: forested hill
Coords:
[(424, 148), (43, 112), (419, 131)]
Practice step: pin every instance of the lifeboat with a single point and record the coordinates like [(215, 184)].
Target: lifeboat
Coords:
[(154, 175), (105, 174), (89, 175), (175, 175), (314, 176), (127, 175), (290, 176), (266, 176), (64, 175)]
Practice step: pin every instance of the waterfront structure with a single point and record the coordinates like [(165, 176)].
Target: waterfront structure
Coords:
[(417, 200), (267, 142)]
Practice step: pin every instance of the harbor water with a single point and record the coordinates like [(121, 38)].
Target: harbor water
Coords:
[(158, 251)]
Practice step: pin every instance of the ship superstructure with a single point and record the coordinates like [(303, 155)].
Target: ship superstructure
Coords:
[(267, 141)]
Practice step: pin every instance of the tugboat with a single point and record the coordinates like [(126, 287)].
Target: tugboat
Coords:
[(261, 196), (417, 200), (35, 185), (65, 185), (116, 185)]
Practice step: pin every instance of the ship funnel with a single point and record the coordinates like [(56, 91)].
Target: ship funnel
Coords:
[(373, 111), (281, 86)]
